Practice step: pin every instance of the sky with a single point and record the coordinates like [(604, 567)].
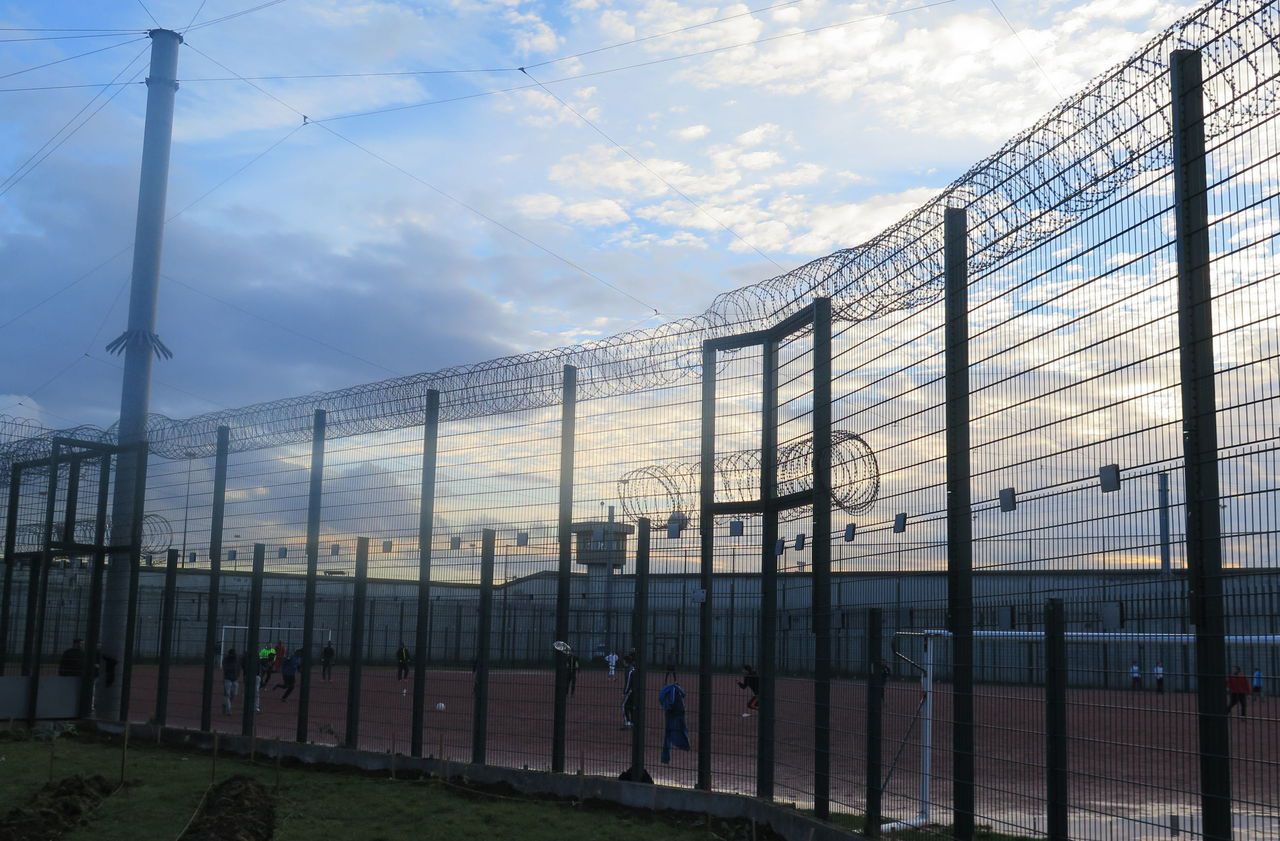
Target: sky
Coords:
[(607, 187)]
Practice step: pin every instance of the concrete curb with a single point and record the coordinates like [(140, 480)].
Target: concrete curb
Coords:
[(787, 822)]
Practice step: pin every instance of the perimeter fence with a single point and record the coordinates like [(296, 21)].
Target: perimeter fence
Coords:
[(1042, 546)]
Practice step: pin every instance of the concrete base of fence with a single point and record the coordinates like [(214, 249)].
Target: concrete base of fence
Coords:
[(785, 821)]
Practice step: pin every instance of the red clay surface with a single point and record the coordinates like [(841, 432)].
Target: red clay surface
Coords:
[(1130, 752)]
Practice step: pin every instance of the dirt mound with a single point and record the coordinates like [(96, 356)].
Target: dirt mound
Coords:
[(56, 808), (237, 809)]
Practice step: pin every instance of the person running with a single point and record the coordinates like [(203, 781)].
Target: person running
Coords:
[(402, 661), (628, 693), (611, 659), (1158, 672), (1135, 675), (289, 673), (71, 664), (326, 661), (266, 664), (750, 681), (571, 667), (1257, 682), (230, 679), (1238, 687)]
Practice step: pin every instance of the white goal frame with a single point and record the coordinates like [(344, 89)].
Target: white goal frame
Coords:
[(926, 684)]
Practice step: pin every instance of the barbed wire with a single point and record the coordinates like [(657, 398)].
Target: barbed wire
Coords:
[(1074, 159)]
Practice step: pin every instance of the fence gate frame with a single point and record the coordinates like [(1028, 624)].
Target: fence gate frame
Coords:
[(62, 543), (816, 316)]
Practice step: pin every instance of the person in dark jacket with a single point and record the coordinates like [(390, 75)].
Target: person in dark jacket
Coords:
[(571, 666), (751, 681), (676, 733), (289, 673), (1238, 687), (230, 679), (71, 664), (403, 659), (628, 692), (326, 661)]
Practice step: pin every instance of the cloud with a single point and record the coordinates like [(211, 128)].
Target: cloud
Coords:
[(692, 132)]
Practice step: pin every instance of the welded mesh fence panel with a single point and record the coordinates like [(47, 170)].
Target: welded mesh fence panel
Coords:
[(1081, 487)]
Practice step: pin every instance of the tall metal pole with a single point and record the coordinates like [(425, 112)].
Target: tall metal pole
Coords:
[(139, 341), (10, 545), (959, 522), (93, 625), (1166, 555), (640, 644), (40, 583), (568, 418), (426, 533), (133, 558), (1057, 799), (252, 680), (166, 636), (875, 720), (215, 575), (821, 558), (314, 496), (1200, 440), (768, 653), (484, 627), (355, 663), (706, 543)]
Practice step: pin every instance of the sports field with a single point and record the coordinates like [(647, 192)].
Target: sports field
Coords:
[(1127, 770)]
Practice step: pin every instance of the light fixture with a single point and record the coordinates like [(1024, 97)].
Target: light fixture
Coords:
[(849, 531), (1008, 499), (899, 523)]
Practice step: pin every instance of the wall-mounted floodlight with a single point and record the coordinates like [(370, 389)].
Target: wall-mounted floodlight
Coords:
[(1008, 499), (455, 542), (231, 554), (849, 531), (799, 541), (1109, 477), (335, 549), (522, 538), (735, 528), (149, 559), (899, 523), (676, 524), (191, 558), (780, 547), (283, 553), (386, 546)]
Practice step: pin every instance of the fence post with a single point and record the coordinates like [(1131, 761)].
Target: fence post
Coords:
[(640, 643), (820, 591), (959, 522), (768, 570), (315, 491), (426, 532), (356, 662), (252, 680), (480, 714), (1200, 439), (215, 576), (93, 624), (139, 477), (166, 635), (10, 546), (706, 552), (39, 591), (875, 721), (564, 531), (1055, 725)]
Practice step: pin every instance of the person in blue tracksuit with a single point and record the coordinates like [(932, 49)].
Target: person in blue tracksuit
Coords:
[(676, 733)]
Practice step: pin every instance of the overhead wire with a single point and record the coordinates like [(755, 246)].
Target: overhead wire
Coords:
[(26, 167), (234, 15), (148, 11), (1027, 50), (70, 58), (472, 209)]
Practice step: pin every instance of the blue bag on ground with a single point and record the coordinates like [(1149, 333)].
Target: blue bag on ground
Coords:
[(671, 698)]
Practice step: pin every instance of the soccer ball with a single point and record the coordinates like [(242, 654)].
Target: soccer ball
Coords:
[(440, 707)]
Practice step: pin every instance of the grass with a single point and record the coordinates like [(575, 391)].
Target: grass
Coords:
[(166, 785)]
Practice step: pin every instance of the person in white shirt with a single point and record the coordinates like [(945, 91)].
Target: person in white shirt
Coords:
[(1135, 675), (1158, 671), (612, 660)]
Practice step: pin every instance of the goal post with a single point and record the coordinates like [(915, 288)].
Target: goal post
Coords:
[(236, 636), (932, 636)]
